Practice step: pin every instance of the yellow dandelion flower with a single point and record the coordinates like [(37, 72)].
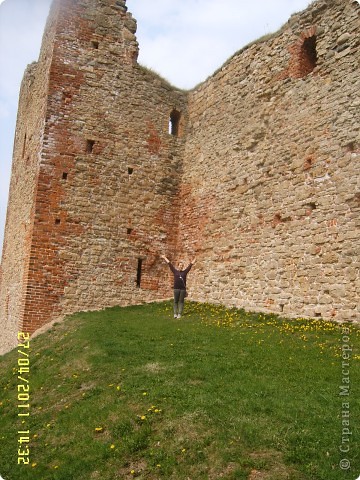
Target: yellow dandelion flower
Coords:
[(143, 417), (99, 429), (33, 464), (112, 446)]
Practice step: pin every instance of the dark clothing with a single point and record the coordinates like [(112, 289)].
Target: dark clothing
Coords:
[(180, 277), (179, 298)]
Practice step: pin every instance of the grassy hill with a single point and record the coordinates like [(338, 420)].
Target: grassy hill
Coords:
[(133, 393)]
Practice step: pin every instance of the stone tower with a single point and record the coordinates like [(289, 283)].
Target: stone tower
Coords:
[(255, 171), (95, 175)]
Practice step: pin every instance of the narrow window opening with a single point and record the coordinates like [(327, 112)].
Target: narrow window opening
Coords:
[(138, 275), (129, 230), (174, 122), (308, 58), (89, 146), (317, 314), (130, 170), (57, 221), (282, 307), (64, 176), (312, 206), (95, 44)]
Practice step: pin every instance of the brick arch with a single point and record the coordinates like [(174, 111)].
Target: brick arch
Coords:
[(303, 56)]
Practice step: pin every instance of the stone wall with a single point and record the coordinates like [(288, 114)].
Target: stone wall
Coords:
[(256, 177), (270, 193), (108, 172), (110, 167)]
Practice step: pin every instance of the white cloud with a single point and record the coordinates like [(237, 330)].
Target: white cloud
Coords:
[(187, 40)]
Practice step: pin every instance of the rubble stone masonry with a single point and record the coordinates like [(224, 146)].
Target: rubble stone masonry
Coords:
[(258, 175)]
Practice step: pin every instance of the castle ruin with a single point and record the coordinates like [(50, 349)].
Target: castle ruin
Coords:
[(255, 171)]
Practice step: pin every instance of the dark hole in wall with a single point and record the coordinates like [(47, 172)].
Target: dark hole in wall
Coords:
[(351, 147), (308, 58), (95, 44), (64, 176), (312, 205), (129, 230), (89, 146), (138, 273), (130, 170), (308, 163), (57, 221), (67, 96), (174, 122)]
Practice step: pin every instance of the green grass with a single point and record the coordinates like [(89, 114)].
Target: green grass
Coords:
[(133, 393)]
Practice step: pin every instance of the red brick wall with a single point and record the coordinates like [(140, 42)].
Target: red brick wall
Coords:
[(82, 256)]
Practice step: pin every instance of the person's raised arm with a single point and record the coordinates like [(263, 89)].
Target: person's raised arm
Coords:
[(166, 259)]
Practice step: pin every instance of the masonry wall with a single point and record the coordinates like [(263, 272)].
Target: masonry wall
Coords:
[(108, 189), (270, 192), (106, 192)]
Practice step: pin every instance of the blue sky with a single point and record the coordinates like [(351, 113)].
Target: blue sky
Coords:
[(183, 40)]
